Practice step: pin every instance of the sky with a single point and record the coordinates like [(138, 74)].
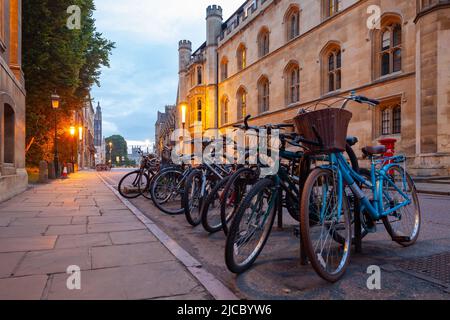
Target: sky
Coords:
[(143, 76)]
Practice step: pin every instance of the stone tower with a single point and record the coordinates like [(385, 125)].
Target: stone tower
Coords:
[(184, 53), (433, 85), (213, 28), (98, 127)]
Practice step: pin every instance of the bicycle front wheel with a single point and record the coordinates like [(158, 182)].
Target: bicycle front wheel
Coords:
[(251, 227), (166, 191), (133, 184), (211, 220), (326, 230)]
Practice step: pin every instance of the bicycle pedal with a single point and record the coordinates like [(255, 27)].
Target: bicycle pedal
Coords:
[(401, 239)]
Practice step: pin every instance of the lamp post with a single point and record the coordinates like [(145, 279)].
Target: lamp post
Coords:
[(55, 106), (72, 134), (80, 138), (183, 123), (110, 153)]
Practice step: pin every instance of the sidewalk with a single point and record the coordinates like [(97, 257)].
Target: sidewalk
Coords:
[(80, 222), (437, 186)]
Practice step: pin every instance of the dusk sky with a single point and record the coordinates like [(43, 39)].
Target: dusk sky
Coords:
[(143, 77)]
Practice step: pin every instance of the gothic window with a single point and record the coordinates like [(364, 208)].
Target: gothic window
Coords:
[(390, 118), (9, 134), (199, 75), (225, 110), (397, 120), (263, 42), (199, 110), (242, 57), (263, 94), (292, 76), (241, 103), (292, 22), (390, 52), (331, 7), (224, 69), (334, 64)]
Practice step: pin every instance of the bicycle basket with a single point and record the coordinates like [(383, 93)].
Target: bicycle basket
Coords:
[(327, 127)]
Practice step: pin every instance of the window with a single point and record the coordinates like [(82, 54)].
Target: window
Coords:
[(224, 69), (199, 75), (199, 110), (242, 103), (397, 120), (334, 70), (263, 94), (331, 7), (391, 49), (292, 22), (242, 57), (263, 42), (292, 76), (225, 111), (390, 118), (9, 134)]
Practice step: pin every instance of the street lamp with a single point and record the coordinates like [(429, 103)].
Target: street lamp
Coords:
[(72, 134), (55, 105), (110, 152)]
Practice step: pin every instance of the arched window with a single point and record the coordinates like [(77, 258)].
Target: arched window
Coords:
[(224, 69), (292, 76), (9, 134), (292, 22), (331, 7), (334, 70), (263, 94), (390, 118), (241, 57), (199, 75), (199, 110), (225, 110), (241, 103), (391, 49), (263, 42)]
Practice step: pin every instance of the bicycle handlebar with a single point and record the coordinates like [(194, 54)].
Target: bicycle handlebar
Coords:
[(363, 99)]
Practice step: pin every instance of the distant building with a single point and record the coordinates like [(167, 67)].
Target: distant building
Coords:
[(164, 127), (99, 140), (86, 148), (13, 175), (135, 156)]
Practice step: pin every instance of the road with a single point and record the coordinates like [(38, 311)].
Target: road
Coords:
[(279, 275)]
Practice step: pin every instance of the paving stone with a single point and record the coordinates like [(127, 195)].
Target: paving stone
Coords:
[(54, 261), (8, 261), (27, 244), (79, 220), (23, 288), (69, 229), (22, 214), (82, 241), (69, 213), (22, 231), (133, 282), (133, 254), (129, 237), (125, 218), (42, 221), (5, 221), (112, 227)]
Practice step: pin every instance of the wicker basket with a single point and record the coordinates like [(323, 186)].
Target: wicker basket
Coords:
[(327, 127)]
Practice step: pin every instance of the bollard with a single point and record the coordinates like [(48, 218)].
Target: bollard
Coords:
[(43, 172), (51, 170)]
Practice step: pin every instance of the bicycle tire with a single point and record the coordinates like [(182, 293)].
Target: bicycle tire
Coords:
[(214, 195)]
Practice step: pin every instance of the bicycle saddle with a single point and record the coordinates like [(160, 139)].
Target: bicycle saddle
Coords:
[(374, 150), (351, 141)]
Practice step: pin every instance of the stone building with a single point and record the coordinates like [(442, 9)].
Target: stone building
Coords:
[(99, 141), (84, 118), (164, 127), (13, 175), (273, 57)]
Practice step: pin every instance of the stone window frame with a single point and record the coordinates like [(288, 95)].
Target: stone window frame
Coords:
[(263, 94), (242, 103), (199, 110), (330, 8), (225, 110), (291, 68), (292, 22), (224, 68), (241, 55), (263, 41), (199, 71), (332, 50), (387, 119), (8, 134)]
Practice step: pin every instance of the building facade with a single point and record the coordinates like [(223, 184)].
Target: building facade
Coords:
[(164, 127), (86, 150), (99, 141), (13, 175), (273, 57)]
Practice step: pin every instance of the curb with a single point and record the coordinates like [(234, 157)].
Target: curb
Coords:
[(214, 287), (436, 193)]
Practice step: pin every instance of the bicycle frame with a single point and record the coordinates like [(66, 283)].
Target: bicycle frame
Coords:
[(346, 174)]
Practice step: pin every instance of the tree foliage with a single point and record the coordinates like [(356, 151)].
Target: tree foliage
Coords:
[(119, 149), (56, 58)]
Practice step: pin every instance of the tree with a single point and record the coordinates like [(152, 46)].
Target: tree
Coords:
[(56, 58), (119, 149)]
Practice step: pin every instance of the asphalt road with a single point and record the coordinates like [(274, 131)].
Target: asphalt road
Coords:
[(278, 274)]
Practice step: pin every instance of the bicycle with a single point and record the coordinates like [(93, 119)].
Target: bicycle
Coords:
[(325, 211)]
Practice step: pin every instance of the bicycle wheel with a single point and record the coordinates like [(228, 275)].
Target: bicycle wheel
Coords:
[(192, 198), (167, 190), (211, 220), (322, 224), (251, 227), (132, 185), (404, 224)]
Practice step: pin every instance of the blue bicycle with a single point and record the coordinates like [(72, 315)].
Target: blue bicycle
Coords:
[(385, 194)]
